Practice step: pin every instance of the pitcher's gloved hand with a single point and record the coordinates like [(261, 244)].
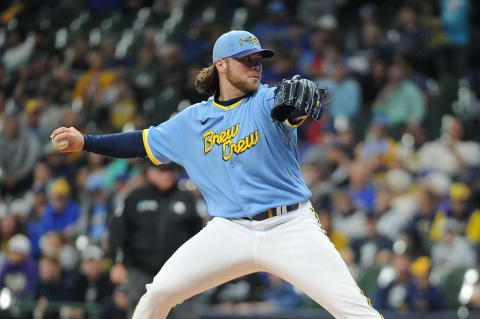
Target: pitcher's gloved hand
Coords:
[(298, 97)]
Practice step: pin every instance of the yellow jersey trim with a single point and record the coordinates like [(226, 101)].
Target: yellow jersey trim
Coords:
[(147, 148), (227, 107), (295, 125)]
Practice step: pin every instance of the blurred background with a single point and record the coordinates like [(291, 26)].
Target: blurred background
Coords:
[(394, 165)]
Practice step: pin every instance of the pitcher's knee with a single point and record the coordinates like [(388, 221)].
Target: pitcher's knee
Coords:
[(163, 296)]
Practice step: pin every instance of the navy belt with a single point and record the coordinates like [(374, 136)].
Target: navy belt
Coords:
[(272, 212)]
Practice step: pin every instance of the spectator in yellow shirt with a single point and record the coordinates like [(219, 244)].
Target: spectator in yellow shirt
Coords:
[(95, 80)]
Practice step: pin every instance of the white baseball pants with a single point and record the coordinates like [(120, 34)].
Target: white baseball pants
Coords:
[(291, 246)]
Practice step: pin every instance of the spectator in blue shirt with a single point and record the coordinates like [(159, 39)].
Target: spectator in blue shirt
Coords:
[(283, 67), (94, 222), (281, 294), (455, 15), (455, 18), (276, 24), (360, 189), (62, 212), (345, 92)]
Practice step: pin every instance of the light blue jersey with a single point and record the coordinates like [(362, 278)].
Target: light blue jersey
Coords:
[(242, 161)]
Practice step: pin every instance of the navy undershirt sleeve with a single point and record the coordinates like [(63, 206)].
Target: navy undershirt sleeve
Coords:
[(119, 145)]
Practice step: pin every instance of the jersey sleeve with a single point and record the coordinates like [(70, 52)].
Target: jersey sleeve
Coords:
[(165, 142)]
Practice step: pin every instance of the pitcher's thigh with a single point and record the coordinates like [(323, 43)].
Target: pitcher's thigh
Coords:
[(217, 254), (309, 261)]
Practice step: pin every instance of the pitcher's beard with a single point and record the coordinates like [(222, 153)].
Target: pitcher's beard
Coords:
[(245, 85)]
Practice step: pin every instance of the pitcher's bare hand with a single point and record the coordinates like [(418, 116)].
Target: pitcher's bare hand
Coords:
[(70, 134)]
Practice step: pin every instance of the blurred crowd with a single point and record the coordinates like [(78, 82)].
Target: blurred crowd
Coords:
[(394, 164)]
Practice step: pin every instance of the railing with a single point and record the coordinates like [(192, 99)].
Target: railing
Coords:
[(206, 314), (20, 309)]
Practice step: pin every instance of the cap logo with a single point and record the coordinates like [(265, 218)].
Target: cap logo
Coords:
[(249, 39)]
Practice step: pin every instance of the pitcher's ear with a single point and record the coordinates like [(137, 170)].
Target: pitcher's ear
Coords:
[(221, 65)]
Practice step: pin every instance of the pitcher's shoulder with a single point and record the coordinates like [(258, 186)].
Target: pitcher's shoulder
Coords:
[(199, 108), (264, 90), (263, 94)]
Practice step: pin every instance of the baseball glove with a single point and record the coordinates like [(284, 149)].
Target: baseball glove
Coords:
[(297, 97)]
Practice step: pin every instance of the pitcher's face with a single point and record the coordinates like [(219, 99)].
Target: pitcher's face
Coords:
[(244, 73)]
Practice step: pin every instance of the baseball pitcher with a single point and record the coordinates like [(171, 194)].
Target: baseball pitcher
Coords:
[(239, 147)]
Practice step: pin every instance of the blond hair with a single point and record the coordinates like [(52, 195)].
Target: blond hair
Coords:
[(207, 80)]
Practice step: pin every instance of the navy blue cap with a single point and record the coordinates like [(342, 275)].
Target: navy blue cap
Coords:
[(236, 44)]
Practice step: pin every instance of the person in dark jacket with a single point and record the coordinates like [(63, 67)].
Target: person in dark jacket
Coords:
[(93, 283), (151, 224), (410, 289), (52, 283), (115, 307), (52, 287)]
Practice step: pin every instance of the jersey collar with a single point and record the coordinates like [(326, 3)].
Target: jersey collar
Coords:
[(230, 104)]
